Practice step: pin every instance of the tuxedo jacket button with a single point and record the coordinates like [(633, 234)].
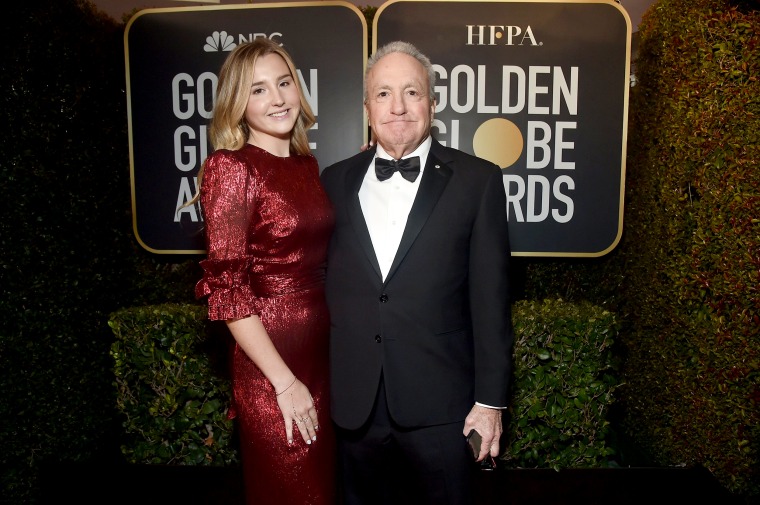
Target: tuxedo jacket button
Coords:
[(378, 338), (383, 298)]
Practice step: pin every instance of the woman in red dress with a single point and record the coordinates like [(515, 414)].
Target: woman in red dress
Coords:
[(267, 226)]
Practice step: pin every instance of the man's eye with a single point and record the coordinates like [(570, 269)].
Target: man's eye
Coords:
[(415, 95)]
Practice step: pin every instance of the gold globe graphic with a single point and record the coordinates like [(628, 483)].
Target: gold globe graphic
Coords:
[(498, 141)]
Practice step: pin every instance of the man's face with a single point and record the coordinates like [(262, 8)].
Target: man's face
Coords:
[(398, 105)]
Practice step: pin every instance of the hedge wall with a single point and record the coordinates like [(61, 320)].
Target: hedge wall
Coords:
[(172, 386), (173, 389), (68, 254), (684, 279), (693, 240)]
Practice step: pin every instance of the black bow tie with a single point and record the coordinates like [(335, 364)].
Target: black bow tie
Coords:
[(409, 168)]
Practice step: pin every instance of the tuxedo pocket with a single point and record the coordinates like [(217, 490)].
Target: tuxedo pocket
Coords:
[(452, 332)]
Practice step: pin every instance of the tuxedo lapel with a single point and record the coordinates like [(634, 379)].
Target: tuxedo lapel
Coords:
[(435, 177)]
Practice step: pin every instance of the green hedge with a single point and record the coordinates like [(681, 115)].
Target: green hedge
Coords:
[(563, 387), (174, 401), (64, 168), (684, 279), (692, 244), (171, 386)]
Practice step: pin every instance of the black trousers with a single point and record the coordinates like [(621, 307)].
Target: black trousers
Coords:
[(385, 464)]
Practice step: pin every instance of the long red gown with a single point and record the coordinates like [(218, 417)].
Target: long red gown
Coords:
[(267, 225)]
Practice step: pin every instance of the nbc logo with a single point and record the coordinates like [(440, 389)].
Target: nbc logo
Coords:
[(219, 41)]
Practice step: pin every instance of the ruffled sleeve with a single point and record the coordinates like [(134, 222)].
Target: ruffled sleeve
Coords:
[(228, 203), (226, 283)]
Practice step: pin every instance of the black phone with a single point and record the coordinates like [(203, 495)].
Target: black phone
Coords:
[(474, 441)]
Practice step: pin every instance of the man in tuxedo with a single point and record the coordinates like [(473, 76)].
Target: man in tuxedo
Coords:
[(421, 332)]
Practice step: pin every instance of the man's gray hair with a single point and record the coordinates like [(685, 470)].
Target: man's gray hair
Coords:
[(399, 46)]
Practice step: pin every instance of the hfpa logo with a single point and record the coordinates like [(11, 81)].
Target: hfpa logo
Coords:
[(488, 35)]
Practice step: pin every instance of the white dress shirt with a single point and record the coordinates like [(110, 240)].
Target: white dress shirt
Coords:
[(386, 205)]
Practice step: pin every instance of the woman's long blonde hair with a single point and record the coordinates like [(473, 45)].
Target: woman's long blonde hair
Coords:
[(228, 128)]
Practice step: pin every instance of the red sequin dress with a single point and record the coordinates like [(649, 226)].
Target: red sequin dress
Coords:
[(268, 223)]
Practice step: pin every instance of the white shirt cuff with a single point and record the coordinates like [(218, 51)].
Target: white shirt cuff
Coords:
[(489, 406)]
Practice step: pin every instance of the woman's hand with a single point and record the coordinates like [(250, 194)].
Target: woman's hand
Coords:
[(368, 145), (297, 408)]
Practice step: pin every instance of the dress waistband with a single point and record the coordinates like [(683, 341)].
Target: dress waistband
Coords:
[(278, 285)]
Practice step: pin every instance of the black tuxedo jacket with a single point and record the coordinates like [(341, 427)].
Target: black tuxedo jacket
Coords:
[(439, 327)]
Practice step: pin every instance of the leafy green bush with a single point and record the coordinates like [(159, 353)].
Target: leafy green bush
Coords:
[(65, 176), (69, 254), (692, 243), (172, 387), (175, 401), (563, 386), (684, 279)]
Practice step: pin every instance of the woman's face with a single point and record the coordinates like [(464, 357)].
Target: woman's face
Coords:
[(273, 104)]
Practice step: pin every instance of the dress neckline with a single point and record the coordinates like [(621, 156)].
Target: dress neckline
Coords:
[(264, 151)]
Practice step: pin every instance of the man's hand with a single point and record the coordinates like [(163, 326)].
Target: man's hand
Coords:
[(487, 422)]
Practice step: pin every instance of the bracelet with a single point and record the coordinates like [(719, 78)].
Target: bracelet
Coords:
[(294, 381)]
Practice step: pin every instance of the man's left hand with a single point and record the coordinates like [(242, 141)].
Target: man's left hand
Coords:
[(487, 422)]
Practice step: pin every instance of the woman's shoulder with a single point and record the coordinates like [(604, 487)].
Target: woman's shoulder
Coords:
[(225, 156), (226, 163)]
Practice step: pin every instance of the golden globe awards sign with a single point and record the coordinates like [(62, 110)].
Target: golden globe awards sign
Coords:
[(172, 60), (538, 87), (541, 89)]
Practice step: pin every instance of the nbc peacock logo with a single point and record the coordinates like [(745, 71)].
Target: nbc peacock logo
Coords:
[(219, 41)]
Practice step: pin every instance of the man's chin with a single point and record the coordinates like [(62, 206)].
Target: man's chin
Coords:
[(398, 137)]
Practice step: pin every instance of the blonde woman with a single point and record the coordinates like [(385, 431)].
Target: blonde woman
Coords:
[(267, 226)]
